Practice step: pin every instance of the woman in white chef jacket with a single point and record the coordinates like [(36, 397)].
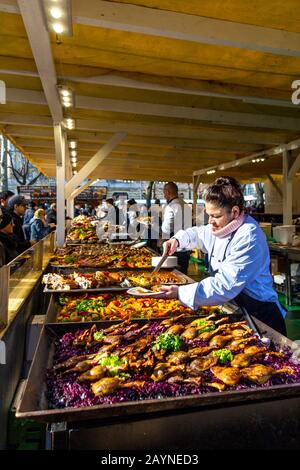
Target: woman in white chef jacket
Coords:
[(238, 254)]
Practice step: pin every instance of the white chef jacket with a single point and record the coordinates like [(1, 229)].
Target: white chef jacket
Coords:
[(246, 267), (176, 215)]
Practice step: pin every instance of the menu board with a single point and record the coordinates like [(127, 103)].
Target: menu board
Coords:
[(48, 193), (37, 192)]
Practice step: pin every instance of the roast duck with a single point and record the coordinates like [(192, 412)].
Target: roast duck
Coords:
[(210, 352)]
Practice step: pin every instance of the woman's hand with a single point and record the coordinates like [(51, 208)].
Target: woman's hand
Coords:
[(170, 246), (167, 292)]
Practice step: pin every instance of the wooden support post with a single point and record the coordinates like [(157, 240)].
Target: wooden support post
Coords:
[(92, 164), (287, 186), (59, 139), (278, 189), (52, 241), (4, 294), (38, 256), (70, 207), (196, 182)]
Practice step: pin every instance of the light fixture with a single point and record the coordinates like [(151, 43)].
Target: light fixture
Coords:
[(65, 92), (58, 16), (66, 96), (257, 160), (72, 144), (210, 172), (73, 159), (56, 13), (69, 123), (58, 28), (74, 172), (74, 164), (73, 153)]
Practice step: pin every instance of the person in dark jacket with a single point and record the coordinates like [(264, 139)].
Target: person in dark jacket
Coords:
[(29, 214), (4, 197), (51, 217), (8, 245), (17, 206), (38, 228)]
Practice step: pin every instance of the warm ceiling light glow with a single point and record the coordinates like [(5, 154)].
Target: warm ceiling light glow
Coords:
[(74, 172), (69, 123), (74, 164), (65, 93), (58, 16), (73, 153), (56, 13), (58, 28), (67, 104), (73, 144)]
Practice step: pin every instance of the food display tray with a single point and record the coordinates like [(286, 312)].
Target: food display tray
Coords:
[(184, 278), (33, 404), (54, 308)]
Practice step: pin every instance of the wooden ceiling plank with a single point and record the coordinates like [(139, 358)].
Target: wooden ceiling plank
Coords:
[(180, 26), (149, 109)]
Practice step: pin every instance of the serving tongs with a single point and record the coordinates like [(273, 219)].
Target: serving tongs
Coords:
[(127, 283), (157, 268), (254, 327)]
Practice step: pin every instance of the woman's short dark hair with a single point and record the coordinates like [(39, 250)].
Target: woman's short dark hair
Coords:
[(225, 192)]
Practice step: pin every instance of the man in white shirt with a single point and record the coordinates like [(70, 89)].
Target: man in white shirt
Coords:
[(177, 215)]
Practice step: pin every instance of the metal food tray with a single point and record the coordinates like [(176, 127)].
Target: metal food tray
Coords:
[(33, 404), (54, 308), (185, 280), (73, 243), (107, 267)]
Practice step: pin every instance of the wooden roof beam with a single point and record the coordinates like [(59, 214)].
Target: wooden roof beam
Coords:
[(161, 110), (38, 36), (92, 164), (265, 153), (184, 27), (141, 128), (234, 92)]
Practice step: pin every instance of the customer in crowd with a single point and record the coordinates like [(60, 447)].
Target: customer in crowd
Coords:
[(77, 210), (260, 208), (38, 228), (8, 245), (17, 206), (29, 213), (51, 217), (239, 258), (4, 197), (176, 215)]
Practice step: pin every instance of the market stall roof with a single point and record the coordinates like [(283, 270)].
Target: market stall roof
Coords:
[(191, 84)]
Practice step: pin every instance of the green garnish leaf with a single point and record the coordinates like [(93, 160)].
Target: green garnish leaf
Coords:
[(69, 259), (200, 323), (224, 355), (98, 335), (206, 329), (113, 363), (167, 341), (203, 325)]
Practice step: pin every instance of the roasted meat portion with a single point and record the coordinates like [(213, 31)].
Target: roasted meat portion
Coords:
[(260, 373), (228, 375), (197, 366)]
